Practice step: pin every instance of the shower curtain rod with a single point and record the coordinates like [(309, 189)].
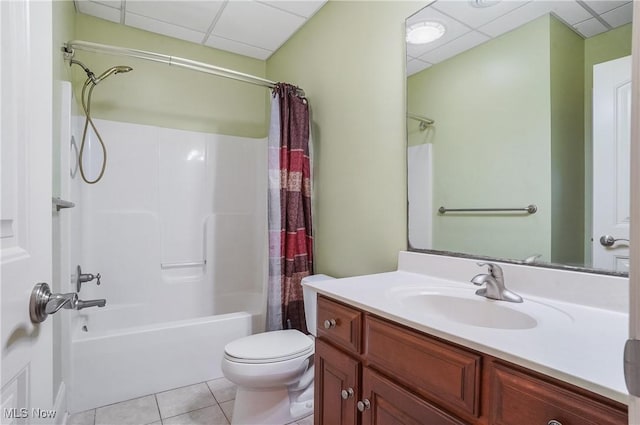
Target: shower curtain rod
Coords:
[(71, 46)]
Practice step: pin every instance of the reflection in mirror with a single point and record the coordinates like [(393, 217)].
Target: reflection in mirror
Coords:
[(520, 104)]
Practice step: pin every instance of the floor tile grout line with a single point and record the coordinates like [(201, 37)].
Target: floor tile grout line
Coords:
[(155, 397), (193, 410)]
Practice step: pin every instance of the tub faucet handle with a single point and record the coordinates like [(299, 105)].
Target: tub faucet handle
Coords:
[(85, 277)]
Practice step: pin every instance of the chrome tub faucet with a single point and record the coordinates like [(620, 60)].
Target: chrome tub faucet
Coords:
[(494, 285)]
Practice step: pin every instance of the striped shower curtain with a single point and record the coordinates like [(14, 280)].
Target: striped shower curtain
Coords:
[(290, 236)]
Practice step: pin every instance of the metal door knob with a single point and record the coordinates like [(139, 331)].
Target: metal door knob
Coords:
[(608, 240), (347, 394), (330, 323), (366, 404), (553, 422)]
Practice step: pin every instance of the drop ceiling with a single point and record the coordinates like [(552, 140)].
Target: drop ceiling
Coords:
[(468, 26), (250, 28)]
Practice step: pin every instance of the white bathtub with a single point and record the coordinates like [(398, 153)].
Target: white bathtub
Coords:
[(113, 365)]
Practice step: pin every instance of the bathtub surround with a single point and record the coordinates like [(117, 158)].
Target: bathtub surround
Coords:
[(290, 230), (182, 255)]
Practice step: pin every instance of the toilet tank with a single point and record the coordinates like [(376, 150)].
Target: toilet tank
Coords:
[(310, 300)]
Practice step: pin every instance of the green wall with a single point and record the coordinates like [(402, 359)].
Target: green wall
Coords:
[(611, 45), (349, 58), (567, 145), (491, 142), (157, 94), (568, 180)]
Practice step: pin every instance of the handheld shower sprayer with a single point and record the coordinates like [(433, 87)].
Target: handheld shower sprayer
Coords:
[(113, 70), (91, 82)]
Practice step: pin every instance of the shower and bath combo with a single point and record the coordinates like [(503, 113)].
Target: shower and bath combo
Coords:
[(91, 82)]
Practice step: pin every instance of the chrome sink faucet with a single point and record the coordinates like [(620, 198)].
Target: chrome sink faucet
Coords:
[(494, 288)]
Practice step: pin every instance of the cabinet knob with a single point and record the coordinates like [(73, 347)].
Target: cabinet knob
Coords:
[(553, 422), (366, 404), (330, 323), (346, 394)]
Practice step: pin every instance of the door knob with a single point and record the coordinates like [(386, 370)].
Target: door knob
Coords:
[(364, 405), (347, 394), (330, 323), (43, 302), (608, 240)]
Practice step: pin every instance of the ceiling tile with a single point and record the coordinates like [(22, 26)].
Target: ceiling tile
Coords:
[(474, 17), (603, 6), (619, 16), (459, 45), (416, 65), (239, 48), (570, 11), (195, 15), (98, 10), (517, 18), (163, 28), (590, 27), (301, 8), (256, 24), (454, 29), (117, 4)]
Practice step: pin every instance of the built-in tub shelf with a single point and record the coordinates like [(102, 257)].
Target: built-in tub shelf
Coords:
[(181, 265)]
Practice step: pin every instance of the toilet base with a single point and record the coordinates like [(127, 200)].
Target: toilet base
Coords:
[(275, 406)]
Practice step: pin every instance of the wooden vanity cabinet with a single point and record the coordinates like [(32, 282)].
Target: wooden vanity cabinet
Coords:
[(521, 397), (400, 376), (349, 372)]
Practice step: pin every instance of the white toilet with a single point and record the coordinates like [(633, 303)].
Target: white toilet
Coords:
[(274, 371)]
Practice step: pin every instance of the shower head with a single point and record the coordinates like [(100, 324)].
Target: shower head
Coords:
[(113, 70)]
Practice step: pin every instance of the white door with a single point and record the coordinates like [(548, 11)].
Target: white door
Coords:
[(25, 208), (611, 142)]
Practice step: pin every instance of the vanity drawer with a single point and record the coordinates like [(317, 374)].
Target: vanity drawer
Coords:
[(520, 398), (443, 373), (340, 324)]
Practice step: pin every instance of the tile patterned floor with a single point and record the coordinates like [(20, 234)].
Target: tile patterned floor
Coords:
[(206, 403)]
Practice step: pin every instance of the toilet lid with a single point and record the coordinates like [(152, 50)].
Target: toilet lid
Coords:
[(270, 346)]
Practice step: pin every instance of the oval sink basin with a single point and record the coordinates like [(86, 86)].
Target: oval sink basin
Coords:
[(479, 312)]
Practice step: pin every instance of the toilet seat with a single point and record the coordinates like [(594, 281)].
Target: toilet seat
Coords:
[(269, 347)]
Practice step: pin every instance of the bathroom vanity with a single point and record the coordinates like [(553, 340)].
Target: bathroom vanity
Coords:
[(386, 352)]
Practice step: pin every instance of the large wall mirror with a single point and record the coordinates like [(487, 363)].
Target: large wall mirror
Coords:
[(518, 117)]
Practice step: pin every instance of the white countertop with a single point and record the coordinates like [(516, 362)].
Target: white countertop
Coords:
[(577, 343)]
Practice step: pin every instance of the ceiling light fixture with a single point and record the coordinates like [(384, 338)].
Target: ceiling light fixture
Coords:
[(483, 3), (425, 32)]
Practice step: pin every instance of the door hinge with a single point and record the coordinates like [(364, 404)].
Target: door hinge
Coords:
[(632, 366)]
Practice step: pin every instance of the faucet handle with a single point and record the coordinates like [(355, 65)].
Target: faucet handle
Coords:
[(494, 269)]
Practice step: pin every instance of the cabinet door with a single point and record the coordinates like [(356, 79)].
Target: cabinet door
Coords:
[(390, 404), (335, 372)]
